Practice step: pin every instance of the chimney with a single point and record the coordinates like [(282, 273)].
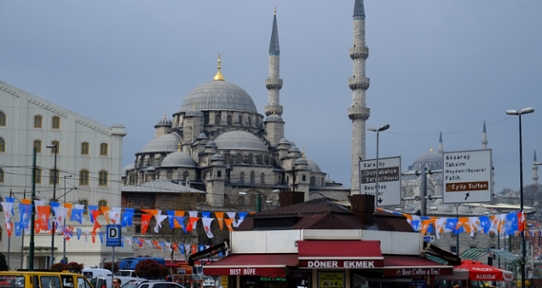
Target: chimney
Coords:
[(291, 197), (363, 207)]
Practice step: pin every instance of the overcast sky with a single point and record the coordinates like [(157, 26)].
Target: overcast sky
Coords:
[(434, 66)]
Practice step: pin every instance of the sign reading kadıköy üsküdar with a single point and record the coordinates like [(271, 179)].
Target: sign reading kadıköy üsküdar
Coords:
[(467, 176)]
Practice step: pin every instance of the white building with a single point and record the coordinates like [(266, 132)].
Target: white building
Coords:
[(89, 158)]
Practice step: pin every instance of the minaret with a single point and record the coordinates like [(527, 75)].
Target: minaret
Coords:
[(357, 112), (440, 144), (535, 169), (274, 83), (484, 137)]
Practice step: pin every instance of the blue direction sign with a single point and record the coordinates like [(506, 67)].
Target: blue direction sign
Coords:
[(113, 235)]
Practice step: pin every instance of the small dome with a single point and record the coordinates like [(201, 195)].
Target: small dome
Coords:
[(164, 122), (193, 113), (313, 166), (164, 143), (293, 149), (301, 161), (211, 144), (284, 141), (217, 157), (127, 167), (240, 140), (178, 159), (219, 95), (274, 118), (201, 136), (429, 157)]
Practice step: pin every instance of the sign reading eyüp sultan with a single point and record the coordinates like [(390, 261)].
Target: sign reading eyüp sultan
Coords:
[(467, 176)]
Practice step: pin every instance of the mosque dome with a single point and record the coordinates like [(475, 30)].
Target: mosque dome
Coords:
[(430, 159), (284, 141), (311, 165), (217, 157), (164, 143), (178, 159), (202, 136), (127, 167), (239, 140), (164, 122), (211, 144), (301, 161), (193, 113), (219, 95)]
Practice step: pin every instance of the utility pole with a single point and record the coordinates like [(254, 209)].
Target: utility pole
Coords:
[(32, 218)]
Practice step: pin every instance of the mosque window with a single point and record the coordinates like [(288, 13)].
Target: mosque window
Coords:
[(313, 181), (227, 158), (55, 124), (249, 122), (83, 177), (240, 120), (102, 178), (303, 178), (262, 178), (84, 148), (169, 175), (2, 119), (185, 175), (239, 158), (37, 145), (229, 120), (217, 119), (242, 177), (250, 158), (252, 177), (206, 118), (38, 121), (219, 174)]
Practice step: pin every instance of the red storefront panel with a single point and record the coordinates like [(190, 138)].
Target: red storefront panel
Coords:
[(252, 265), (408, 266), (350, 254)]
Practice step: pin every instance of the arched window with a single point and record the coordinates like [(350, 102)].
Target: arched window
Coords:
[(217, 118), (252, 177), (185, 175), (2, 145), (266, 160), (53, 176), (240, 120), (84, 202), (55, 124), (242, 177), (37, 179), (57, 144), (250, 158), (262, 178), (2, 119), (169, 174), (1, 175), (103, 149), (229, 120), (102, 203), (206, 118), (239, 158), (227, 158), (83, 177), (85, 148), (249, 122), (313, 181), (303, 178), (37, 145), (38, 121), (102, 178)]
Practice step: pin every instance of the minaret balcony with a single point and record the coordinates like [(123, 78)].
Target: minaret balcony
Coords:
[(359, 52), (273, 83), (273, 109), (358, 112), (358, 83)]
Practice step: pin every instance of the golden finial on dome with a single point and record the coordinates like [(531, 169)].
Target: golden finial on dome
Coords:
[(218, 76), (179, 147), (303, 153), (194, 105), (431, 149), (165, 115), (275, 11)]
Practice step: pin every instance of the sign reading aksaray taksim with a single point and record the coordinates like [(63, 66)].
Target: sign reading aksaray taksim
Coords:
[(324, 263), (419, 271)]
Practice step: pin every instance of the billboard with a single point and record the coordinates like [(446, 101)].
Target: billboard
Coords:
[(389, 180), (467, 176)]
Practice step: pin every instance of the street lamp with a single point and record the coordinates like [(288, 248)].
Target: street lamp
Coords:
[(523, 248), (383, 128), (65, 176), (258, 199), (55, 177)]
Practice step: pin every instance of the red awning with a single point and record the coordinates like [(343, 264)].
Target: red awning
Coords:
[(353, 254), (252, 265), (482, 272), (413, 266)]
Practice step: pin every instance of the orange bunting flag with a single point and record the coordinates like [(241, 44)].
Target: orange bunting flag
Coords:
[(68, 207), (105, 211), (43, 217), (176, 224), (93, 234), (153, 212), (228, 224), (95, 214), (9, 228), (426, 224), (156, 244), (145, 219), (26, 201), (220, 218)]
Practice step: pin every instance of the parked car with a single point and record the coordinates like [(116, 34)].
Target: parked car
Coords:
[(151, 284)]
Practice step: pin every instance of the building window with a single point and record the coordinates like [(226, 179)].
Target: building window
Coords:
[(250, 158), (2, 119), (53, 176), (38, 121), (37, 179), (262, 178), (313, 181), (37, 145), (102, 178), (102, 203), (217, 119), (84, 148), (2, 145), (169, 175), (136, 200), (84, 202), (242, 177), (229, 120), (103, 149), (185, 175), (56, 122), (1, 175), (240, 120), (238, 159), (252, 177), (83, 177), (57, 144)]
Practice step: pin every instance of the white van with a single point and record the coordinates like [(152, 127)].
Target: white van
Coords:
[(93, 272)]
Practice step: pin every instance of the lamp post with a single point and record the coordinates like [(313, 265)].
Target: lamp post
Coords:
[(53, 232), (65, 176), (258, 199), (523, 246), (383, 128)]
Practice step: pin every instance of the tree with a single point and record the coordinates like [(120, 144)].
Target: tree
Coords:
[(72, 267), (150, 269), (57, 267), (3, 263), (107, 266)]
